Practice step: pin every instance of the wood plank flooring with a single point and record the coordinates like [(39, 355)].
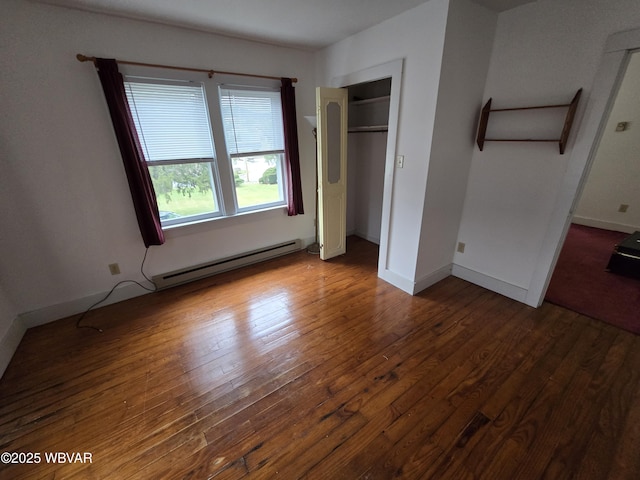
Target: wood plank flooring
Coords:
[(298, 368)]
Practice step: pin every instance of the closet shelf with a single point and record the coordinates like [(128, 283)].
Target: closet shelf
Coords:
[(564, 136), (366, 101), (368, 128)]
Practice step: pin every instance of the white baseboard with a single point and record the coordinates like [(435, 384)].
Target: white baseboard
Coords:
[(368, 238), (410, 286), (616, 227), (398, 281), (76, 307), (499, 286), (9, 343), (432, 279)]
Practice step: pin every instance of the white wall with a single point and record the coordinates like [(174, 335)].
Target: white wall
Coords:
[(366, 153), (446, 46), (11, 330), (467, 49), (66, 209), (543, 52), (417, 36), (8, 312), (614, 178)]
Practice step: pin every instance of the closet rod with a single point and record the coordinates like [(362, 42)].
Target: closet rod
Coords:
[(211, 73)]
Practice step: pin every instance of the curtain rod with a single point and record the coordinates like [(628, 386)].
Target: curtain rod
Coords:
[(211, 73)]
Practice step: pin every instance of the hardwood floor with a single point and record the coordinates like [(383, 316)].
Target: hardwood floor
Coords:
[(298, 368)]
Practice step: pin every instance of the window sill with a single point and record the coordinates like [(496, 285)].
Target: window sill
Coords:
[(174, 231)]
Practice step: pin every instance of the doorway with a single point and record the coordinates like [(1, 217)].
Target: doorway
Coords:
[(610, 198), (391, 73), (600, 99), (608, 210)]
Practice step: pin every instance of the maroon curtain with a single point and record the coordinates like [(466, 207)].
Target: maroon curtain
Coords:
[(291, 151), (142, 193)]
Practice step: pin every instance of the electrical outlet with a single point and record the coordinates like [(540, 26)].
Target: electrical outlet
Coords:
[(623, 208), (461, 246), (114, 268)]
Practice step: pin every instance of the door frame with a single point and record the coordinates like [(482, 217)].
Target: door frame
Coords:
[(392, 69), (600, 101)]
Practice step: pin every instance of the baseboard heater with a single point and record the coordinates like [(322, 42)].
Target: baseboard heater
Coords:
[(208, 269)]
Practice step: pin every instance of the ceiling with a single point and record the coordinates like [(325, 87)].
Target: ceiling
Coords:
[(308, 24)]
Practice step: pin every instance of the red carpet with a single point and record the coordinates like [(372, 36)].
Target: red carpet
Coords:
[(581, 283)]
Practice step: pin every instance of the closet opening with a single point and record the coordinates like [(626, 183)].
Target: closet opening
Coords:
[(366, 157), (373, 119)]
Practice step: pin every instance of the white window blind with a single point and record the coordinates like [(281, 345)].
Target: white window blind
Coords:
[(172, 120), (252, 120)]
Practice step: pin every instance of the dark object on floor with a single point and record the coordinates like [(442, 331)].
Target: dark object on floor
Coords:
[(625, 259), (581, 282)]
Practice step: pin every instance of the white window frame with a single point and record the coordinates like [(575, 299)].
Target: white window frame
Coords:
[(228, 81), (221, 165)]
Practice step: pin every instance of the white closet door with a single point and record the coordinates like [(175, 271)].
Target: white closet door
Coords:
[(331, 104)]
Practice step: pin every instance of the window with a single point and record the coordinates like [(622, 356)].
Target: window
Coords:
[(175, 134), (212, 150), (252, 122)]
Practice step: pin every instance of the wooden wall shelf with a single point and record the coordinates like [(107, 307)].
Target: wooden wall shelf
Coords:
[(564, 136)]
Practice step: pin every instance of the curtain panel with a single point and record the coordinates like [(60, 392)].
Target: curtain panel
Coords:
[(291, 150), (135, 165)]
